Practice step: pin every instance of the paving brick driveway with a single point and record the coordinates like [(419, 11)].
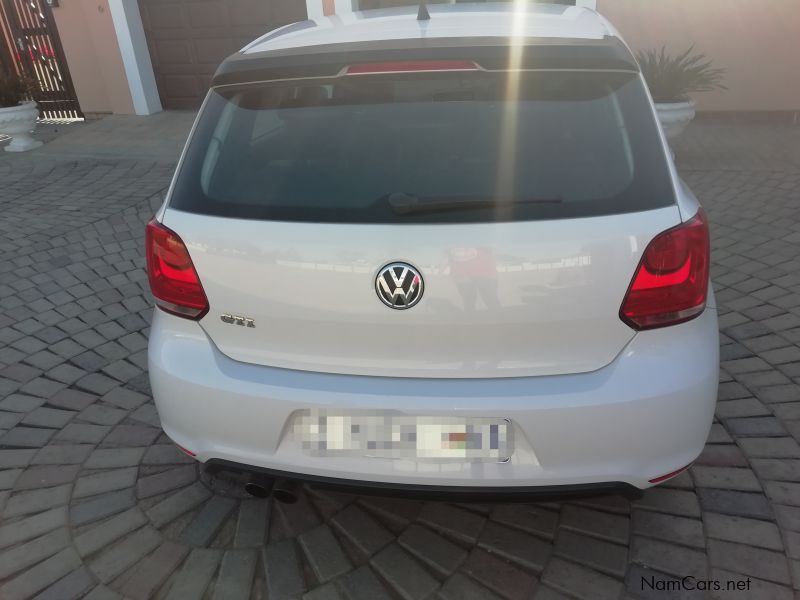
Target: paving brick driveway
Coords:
[(95, 502)]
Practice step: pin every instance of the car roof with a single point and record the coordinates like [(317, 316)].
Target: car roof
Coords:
[(496, 19), (553, 36)]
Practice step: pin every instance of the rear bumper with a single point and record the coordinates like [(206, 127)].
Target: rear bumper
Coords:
[(475, 493), (646, 414)]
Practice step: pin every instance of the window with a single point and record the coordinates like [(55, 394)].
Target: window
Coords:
[(366, 148)]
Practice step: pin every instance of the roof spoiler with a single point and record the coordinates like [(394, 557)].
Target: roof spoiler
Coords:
[(492, 53)]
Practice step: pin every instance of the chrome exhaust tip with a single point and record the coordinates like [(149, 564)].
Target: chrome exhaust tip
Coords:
[(286, 490), (259, 487)]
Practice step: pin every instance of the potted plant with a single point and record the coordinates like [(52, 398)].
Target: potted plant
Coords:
[(672, 79), (18, 111)]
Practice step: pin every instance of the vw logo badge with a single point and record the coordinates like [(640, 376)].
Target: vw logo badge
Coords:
[(399, 285)]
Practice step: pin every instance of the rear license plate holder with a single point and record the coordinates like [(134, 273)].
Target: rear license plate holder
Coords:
[(391, 434)]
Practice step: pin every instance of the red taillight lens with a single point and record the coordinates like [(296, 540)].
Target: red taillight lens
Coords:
[(173, 279), (671, 282), (411, 66)]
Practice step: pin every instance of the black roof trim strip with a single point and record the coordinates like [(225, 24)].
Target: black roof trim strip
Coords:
[(492, 53)]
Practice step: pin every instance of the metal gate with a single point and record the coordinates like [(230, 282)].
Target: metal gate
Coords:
[(37, 52)]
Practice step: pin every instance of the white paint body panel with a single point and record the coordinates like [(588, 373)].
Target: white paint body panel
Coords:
[(447, 21), (558, 287), (590, 400), (645, 414)]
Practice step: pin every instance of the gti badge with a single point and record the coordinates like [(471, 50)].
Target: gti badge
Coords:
[(399, 285), (234, 320)]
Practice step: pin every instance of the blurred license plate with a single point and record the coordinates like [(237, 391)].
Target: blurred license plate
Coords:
[(393, 435)]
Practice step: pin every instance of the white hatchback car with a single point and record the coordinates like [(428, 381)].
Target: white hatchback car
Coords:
[(443, 253)]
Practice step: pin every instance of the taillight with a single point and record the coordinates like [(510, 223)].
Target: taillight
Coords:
[(671, 283), (173, 278), (411, 66)]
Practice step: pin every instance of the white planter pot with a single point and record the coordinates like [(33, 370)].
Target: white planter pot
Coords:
[(19, 122), (675, 116)]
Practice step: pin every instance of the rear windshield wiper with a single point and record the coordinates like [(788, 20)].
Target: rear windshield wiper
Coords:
[(404, 204)]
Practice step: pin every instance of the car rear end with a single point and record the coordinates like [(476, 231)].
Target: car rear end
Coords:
[(565, 335)]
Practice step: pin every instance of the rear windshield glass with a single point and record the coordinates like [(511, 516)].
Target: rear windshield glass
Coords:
[(427, 147)]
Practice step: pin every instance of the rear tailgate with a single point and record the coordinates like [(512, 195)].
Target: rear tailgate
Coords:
[(500, 300), (525, 208)]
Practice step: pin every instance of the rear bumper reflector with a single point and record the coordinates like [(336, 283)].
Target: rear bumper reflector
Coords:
[(670, 475)]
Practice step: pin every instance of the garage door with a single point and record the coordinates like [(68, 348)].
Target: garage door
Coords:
[(189, 38)]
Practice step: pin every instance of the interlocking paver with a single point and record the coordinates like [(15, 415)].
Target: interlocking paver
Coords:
[(19, 557), (721, 455), (532, 519), (164, 454), (783, 492), (165, 481), (41, 576), (107, 458), (62, 454), (404, 574), (681, 530), (32, 501), (71, 399), (132, 435), (735, 503), (456, 522), (207, 522), (676, 502), (284, 577), (74, 313), (438, 553), (669, 558), (398, 512), (236, 572), (747, 531), (727, 478), (101, 506), (579, 581), (114, 560), (74, 585), (785, 447), (296, 518), (102, 415), (324, 554), (26, 437), (599, 524), (31, 527), (362, 584), (755, 427), (515, 546), (81, 433), (367, 534), (784, 469), (43, 476), (102, 534), (749, 560), (500, 576), (148, 576), (177, 504), (252, 522), (16, 458), (104, 481), (601, 555), (459, 587), (48, 417)]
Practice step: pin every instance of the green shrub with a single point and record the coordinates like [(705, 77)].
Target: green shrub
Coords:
[(673, 78), (15, 89)]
